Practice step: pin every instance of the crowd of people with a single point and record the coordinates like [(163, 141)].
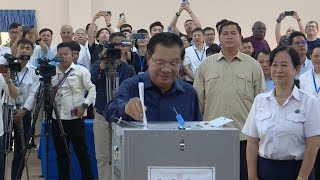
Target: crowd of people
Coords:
[(272, 95)]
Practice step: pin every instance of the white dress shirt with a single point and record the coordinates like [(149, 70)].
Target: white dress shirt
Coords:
[(84, 58), (306, 66), (4, 50), (71, 93), (282, 130), (307, 84), (28, 84), (194, 57), (3, 87)]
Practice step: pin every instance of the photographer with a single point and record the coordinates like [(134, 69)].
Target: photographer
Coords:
[(138, 58), (100, 125), (102, 35), (28, 84), (189, 24), (31, 34), (11, 90), (71, 81), (290, 29)]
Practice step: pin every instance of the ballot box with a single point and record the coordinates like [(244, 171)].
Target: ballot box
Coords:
[(163, 151)]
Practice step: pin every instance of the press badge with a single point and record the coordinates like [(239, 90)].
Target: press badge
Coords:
[(59, 99)]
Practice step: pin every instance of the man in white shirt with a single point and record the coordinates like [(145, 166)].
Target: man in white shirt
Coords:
[(194, 55), (298, 41), (11, 90), (28, 84), (71, 81)]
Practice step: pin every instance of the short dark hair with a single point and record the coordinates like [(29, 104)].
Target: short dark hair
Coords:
[(126, 30), (157, 23), (165, 39), (100, 30), (284, 40), (25, 42), (45, 30), (213, 49), (13, 26), (75, 46), (245, 41), (295, 34), (125, 26), (294, 55), (317, 46), (208, 29), (220, 23), (228, 23), (198, 30), (65, 45), (264, 51), (115, 34)]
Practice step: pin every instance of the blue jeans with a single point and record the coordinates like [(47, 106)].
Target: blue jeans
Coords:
[(17, 157), (2, 157)]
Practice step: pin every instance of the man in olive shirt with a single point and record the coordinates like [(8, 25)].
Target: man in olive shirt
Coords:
[(227, 84)]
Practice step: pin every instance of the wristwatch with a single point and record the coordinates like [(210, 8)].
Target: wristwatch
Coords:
[(85, 106), (109, 25)]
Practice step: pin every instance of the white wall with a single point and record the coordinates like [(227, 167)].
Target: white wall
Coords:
[(141, 13)]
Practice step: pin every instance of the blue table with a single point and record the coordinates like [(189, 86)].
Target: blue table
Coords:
[(53, 171)]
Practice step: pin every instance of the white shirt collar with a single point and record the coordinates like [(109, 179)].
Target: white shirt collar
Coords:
[(295, 94)]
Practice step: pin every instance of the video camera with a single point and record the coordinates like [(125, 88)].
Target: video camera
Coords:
[(47, 70), (114, 54), (15, 66)]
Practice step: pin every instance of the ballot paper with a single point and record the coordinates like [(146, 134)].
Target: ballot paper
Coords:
[(219, 122), (141, 96), (181, 173)]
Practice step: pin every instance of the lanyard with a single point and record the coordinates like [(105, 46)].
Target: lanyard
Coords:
[(141, 60), (121, 70), (195, 50), (19, 82), (315, 84)]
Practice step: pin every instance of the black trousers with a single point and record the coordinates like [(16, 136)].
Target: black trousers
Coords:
[(279, 169), (243, 161), (75, 132), (17, 156)]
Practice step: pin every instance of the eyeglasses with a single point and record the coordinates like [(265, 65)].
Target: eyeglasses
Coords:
[(171, 65), (300, 43)]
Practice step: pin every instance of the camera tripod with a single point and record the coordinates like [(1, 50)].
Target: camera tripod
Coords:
[(46, 98), (8, 112), (112, 85)]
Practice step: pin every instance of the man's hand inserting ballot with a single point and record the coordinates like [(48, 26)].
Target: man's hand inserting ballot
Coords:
[(134, 109)]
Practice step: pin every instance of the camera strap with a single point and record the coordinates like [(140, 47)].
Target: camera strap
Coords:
[(57, 87)]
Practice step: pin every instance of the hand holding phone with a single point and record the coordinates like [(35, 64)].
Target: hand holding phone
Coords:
[(122, 16), (289, 13), (138, 36)]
